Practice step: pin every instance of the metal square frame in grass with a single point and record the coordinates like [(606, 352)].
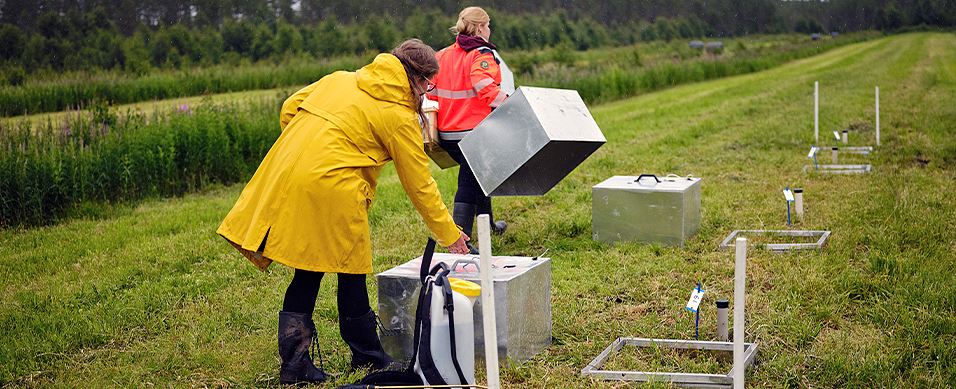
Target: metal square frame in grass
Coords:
[(859, 150), (839, 169), (687, 380), (781, 247)]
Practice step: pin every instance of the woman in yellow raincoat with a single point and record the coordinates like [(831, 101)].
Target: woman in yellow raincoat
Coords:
[(307, 204)]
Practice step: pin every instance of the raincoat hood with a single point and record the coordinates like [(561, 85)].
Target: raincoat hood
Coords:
[(385, 79)]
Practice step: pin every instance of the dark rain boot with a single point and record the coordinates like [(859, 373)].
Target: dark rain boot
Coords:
[(296, 336), (464, 216), (360, 334), (497, 227)]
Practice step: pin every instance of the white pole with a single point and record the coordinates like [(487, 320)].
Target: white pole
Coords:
[(488, 302), (740, 284), (877, 116), (816, 111)]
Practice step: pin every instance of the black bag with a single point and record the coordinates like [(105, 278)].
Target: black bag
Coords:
[(438, 276)]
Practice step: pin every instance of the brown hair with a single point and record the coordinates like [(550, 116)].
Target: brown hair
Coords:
[(468, 21), (420, 62)]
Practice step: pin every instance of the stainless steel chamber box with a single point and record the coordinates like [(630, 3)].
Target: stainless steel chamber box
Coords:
[(522, 304), (646, 209), (531, 142)]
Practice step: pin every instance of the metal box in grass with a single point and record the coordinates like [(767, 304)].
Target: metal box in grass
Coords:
[(531, 142), (522, 304), (646, 209)]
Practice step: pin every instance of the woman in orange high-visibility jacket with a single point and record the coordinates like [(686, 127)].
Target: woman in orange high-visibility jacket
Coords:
[(307, 204), (467, 87)]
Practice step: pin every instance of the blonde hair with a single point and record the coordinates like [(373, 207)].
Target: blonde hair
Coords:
[(468, 21)]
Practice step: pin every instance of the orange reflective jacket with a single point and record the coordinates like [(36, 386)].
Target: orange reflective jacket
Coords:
[(466, 87)]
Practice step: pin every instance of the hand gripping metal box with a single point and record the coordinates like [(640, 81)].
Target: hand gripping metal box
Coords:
[(532, 141), (646, 209), (522, 304)]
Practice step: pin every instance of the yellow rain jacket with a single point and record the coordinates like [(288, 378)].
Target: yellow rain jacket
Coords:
[(312, 192)]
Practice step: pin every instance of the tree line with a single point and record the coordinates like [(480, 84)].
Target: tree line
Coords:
[(133, 36)]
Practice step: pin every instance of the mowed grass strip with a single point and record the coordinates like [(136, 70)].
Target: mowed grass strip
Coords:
[(150, 295)]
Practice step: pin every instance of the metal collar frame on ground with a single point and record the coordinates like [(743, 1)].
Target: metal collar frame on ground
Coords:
[(860, 150), (781, 247), (838, 169), (687, 380)]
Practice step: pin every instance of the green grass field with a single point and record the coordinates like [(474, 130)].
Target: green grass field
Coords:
[(148, 295)]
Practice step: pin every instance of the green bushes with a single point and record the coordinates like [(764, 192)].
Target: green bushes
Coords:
[(58, 95), (100, 157)]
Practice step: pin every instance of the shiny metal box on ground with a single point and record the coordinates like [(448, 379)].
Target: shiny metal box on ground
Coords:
[(531, 142), (645, 209), (522, 304)]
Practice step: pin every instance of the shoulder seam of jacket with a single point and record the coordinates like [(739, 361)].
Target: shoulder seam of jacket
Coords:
[(485, 50)]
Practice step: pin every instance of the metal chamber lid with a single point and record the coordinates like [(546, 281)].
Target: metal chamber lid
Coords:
[(648, 184), (531, 142), (506, 267)]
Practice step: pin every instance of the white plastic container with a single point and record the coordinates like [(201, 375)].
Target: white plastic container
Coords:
[(464, 333)]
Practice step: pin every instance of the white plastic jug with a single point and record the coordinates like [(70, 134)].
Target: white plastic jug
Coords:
[(464, 332)]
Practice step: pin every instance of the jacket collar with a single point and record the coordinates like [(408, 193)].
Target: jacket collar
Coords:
[(469, 42)]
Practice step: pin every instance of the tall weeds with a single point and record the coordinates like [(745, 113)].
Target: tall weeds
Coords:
[(106, 157)]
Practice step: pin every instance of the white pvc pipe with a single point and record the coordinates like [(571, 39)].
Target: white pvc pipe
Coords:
[(877, 116), (723, 306), (488, 302), (798, 202), (816, 111), (835, 155), (740, 285), (846, 136)]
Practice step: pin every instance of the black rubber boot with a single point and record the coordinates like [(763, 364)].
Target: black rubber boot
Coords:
[(296, 337), (464, 216), (497, 227), (361, 336)]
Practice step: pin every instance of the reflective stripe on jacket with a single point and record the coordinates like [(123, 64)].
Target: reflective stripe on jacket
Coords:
[(467, 87)]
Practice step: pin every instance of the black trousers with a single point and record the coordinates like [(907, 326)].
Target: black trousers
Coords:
[(468, 189), (351, 298)]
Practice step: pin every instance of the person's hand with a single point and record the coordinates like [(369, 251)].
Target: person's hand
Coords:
[(459, 247)]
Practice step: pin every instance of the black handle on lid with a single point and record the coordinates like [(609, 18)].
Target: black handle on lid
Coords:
[(647, 175), (427, 258)]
